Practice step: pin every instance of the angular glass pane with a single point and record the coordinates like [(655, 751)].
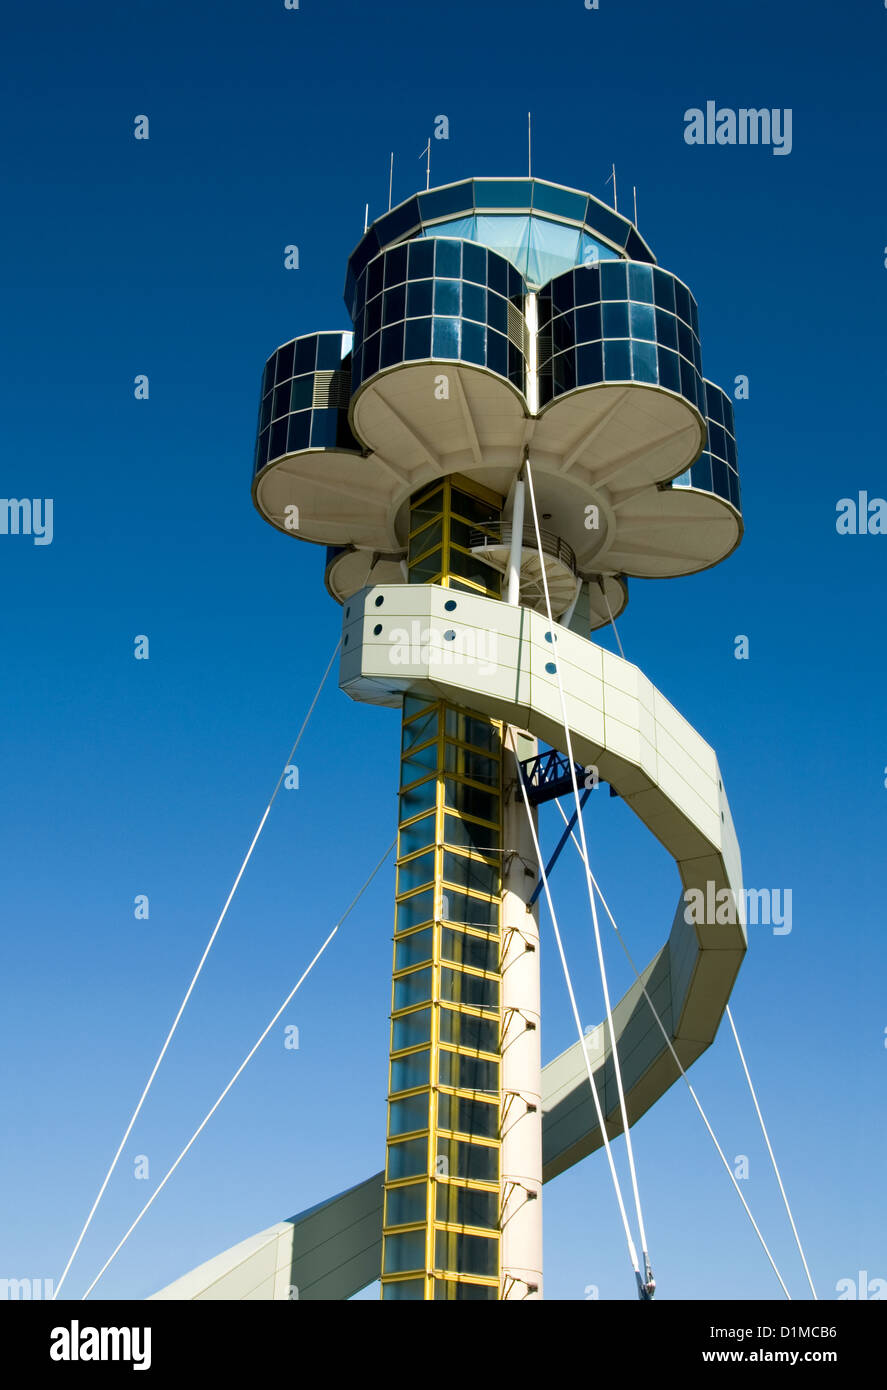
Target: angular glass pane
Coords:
[(277, 444), (416, 948), (391, 351), (471, 800), (426, 508), (589, 364), (613, 283), (457, 906), (469, 1032), (466, 1254), (478, 1118), (481, 953), (421, 259), (462, 762), (416, 836), (417, 764), (408, 1072), (447, 202), (406, 1205), (474, 263), (407, 1031), (306, 352), (478, 732), (588, 324), (409, 1114), (299, 431), (285, 362), (394, 304), (459, 1159), (419, 730), (426, 539), (412, 989), (666, 329), (478, 992), (329, 352), (412, 912), (395, 266), (302, 393), (561, 201), (473, 568), (497, 353), (471, 873), (469, 835), (423, 571), (468, 1073), (502, 193), (406, 1291), (415, 873), (407, 1159), (467, 1206), (404, 1251)]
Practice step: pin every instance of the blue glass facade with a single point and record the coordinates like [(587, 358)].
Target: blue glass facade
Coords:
[(620, 321), (440, 298), (716, 469), (306, 389)]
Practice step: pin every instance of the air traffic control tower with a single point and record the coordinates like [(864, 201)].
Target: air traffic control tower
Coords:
[(517, 426)]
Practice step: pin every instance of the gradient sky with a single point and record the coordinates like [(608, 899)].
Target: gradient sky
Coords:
[(122, 777)]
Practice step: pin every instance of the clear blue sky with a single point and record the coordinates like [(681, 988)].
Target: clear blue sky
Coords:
[(122, 777)]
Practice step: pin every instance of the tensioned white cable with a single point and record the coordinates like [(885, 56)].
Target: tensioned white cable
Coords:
[(253, 1050), (772, 1155), (612, 619), (215, 931), (633, 1254), (626, 1128), (677, 1060)]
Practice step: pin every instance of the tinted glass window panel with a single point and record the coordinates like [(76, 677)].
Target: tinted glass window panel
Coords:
[(562, 296), (412, 989), (407, 1159), (469, 1032), (643, 362), (428, 506), (392, 346), (421, 259), (682, 301), (468, 1073), (445, 338), (481, 913), (406, 1205), (613, 283), (324, 427), (329, 352), (446, 297), (589, 364), (419, 298), (301, 393), (588, 324), (268, 374), (466, 1206), (700, 473), (719, 478), (474, 263), (395, 265), (497, 313), (415, 873), (265, 415), (424, 571), (409, 1114), (306, 351), (466, 1254), (642, 321), (663, 290), (394, 304), (409, 1072), (412, 912), (407, 1031), (464, 763), (278, 439), (281, 401), (615, 320), (497, 353), (617, 361), (685, 340), (461, 726), (666, 329), (474, 303), (425, 540), (480, 953), (475, 1117), (404, 1251), (418, 730), (474, 343), (285, 357), (640, 283), (478, 1162), (448, 258), (299, 431), (373, 316), (497, 274), (471, 873), (465, 833)]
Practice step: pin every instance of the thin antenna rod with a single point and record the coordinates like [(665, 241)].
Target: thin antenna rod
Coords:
[(635, 192), (529, 146), (366, 217), (613, 177), (427, 150), (390, 179)]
